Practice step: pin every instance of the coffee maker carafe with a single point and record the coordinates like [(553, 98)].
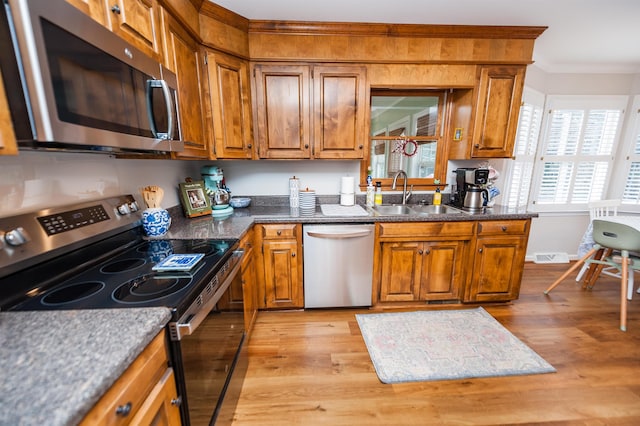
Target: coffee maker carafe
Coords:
[(470, 179), (475, 197)]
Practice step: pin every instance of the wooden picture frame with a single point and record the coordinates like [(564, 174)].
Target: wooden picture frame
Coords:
[(194, 199)]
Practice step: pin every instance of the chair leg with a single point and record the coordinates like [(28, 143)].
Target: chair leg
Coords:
[(589, 283), (573, 268), (589, 269), (623, 291)]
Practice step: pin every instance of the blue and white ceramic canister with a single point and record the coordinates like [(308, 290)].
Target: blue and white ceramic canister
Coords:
[(155, 221)]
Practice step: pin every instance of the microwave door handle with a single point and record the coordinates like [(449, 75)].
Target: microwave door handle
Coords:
[(151, 84)]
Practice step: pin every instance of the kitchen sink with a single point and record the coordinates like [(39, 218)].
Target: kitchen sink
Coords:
[(414, 209), (392, 210), (433, 209)]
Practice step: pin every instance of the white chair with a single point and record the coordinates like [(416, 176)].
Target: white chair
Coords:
[(610, 236), (601, 209), (624, 238)]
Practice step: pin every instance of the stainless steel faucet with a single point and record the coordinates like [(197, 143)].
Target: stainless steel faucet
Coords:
[(405, 194)]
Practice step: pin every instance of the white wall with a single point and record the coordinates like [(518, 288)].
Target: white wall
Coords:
[(35, 180)]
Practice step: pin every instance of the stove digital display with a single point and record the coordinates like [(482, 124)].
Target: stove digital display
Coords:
[(68, 221)]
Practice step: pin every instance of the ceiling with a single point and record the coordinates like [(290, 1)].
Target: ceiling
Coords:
[(584, 36)]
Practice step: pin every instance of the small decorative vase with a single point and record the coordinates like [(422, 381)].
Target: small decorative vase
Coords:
[(155, 221)]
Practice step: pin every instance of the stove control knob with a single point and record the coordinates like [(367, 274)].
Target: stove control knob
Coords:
[(133, 206), (16, 237), (124, 209)]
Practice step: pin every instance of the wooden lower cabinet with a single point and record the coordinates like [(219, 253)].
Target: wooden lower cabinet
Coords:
[(144, 394), (460, 262), (421, 262), (242, 294), (249, 283), (498, 261), (279, 266)]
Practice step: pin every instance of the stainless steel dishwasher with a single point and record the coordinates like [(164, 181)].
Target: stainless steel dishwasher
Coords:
[(338, 265)]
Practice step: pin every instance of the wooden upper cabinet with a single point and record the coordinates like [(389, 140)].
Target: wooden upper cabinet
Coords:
[(184, 56), (136, 21), (229, 83), (310, 111), (339, 111), (496, 111), (283, 128), (8, 145), (94, 8)]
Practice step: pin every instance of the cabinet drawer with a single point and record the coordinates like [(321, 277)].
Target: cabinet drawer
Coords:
[(132, 388), (279, 231), (507, 227), (419, 230)]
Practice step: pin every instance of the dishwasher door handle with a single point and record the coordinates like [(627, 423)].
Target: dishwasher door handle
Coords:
[(340, 235)]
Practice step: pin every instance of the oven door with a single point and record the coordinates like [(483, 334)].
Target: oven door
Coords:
[(208, 357)]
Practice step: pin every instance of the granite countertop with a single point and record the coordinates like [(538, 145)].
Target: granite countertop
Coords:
[(278, 211), (57, 364)]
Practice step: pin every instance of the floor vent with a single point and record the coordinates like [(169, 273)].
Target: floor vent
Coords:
[(551, 258)]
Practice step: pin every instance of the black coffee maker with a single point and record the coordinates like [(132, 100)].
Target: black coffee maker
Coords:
[(466, 178)]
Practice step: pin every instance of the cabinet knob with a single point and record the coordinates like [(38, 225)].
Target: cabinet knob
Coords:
[(306, 145), (479, 250), (420, 252), (293, 255), (249, 146), (123, 410), (115, 9), (360, 146), (279, 232), (427, 251), (504, 228), (176, 401)]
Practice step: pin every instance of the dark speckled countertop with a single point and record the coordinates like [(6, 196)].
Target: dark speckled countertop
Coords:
[(57, 364), (276, 210)]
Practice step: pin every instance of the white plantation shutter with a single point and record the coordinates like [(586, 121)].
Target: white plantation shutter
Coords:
[(631, 194), (520, 172), (576, 158)]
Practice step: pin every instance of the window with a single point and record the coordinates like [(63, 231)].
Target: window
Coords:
[(631, 194), (577, 152), (520, 169)]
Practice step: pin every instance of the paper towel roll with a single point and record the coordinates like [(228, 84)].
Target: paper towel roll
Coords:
[(348, 185)]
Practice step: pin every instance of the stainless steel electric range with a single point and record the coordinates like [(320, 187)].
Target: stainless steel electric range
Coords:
[(93, 255)]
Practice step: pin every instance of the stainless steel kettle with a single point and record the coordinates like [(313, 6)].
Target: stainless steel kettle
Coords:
[(475, 197)]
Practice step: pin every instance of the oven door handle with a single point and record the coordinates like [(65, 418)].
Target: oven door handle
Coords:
[(188, 324)]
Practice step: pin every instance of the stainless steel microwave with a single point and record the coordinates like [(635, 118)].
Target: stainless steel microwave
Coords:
[(73, 84)]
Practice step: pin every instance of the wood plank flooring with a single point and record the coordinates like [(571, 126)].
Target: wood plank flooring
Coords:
[(312, 367)]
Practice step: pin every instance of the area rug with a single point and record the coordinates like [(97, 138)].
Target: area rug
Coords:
[(445, 345)]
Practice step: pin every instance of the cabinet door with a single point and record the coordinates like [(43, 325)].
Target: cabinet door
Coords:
[(250, 294), (442, 270), (339, 112), (184, 56), (282, 111), (94, 8), (231, 106), (497, 269), (8, 144), (496, 112), (400, 272), (282, 274), (161, 407), (137, 22)]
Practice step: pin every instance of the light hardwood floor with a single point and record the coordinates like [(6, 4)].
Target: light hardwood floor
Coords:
[(313, 368)]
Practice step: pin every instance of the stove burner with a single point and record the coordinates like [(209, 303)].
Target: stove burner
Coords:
[(72, 293), (122, 265), (150, 287)]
